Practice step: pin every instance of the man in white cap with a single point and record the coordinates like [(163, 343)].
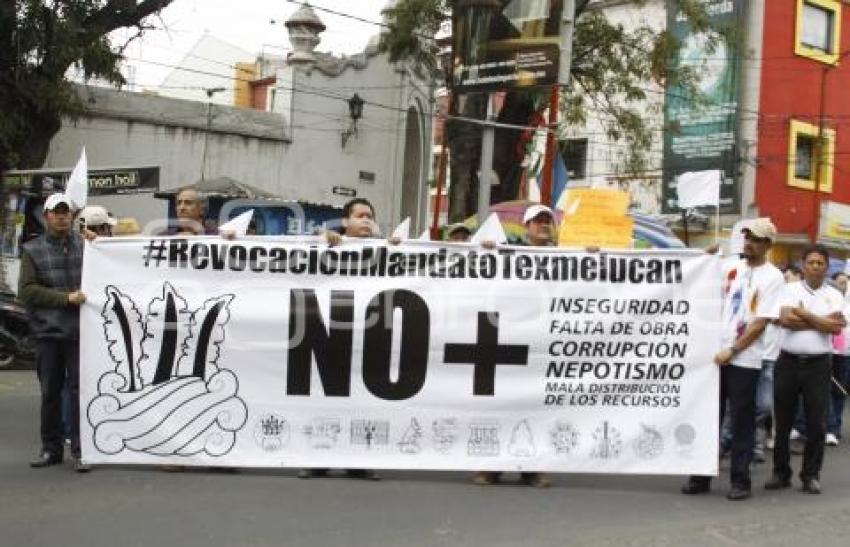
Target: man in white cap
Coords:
[(752, 289), (539, 223), (51, 270), (96, 219)]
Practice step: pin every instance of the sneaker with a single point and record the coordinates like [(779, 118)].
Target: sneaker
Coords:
[(536, 480), (485, 478), (366, 474), (758, 457), (312, 473), (171, 468), (831, 439), (80, 466), (738, 493), (46, 459), (811, 486), (696, 485), (795, 435), (777, 482)]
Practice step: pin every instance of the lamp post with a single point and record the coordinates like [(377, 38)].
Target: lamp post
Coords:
[(210, 91), (355, 112)]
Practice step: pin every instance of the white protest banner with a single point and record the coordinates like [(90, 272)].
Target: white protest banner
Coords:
[(278, 352)]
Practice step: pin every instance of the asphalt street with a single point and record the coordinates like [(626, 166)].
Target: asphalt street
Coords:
[(128, 506)]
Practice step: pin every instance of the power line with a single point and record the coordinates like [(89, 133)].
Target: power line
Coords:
[(353, 17)]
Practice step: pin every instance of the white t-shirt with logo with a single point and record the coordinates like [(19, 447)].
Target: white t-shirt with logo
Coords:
[(821, 301), (749, 294)]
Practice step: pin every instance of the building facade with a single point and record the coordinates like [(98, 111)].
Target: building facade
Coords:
[(299, 139), (803, 151)]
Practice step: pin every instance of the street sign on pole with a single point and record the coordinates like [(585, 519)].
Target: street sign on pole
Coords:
[(503, 44)]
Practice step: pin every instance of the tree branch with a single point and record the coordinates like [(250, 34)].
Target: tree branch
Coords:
[(117, 14)]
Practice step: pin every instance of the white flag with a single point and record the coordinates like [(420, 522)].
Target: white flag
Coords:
[(697, 188), (424, 236), (237, 226), (491, 230), (402, 231), (736, 238), (77, 188)]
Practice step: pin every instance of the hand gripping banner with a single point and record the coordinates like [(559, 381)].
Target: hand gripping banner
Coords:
[(287, 353)]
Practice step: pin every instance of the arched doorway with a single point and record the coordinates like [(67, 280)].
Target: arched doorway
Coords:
[(411, 187)]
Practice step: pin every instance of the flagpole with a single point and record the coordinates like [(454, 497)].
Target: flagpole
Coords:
[(717, 225)]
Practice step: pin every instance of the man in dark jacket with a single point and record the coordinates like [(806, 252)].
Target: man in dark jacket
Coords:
[(51, 270)]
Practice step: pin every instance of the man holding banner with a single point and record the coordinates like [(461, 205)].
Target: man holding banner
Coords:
[(51, 268), (753, 287), (539, 223), (358, 220)]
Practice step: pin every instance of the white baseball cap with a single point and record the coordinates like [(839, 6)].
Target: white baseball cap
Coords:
[(55, 200), (95, 215), (535, 210), (762, 228)]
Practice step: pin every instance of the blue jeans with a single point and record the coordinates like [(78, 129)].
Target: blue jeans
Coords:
[(841, 373)]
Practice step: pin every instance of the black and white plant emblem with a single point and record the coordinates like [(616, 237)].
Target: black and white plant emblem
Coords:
[(445, 434), (370, 432), (649, 443), (483, 439), (607, 442), (167, 394), (271, 432), (323, 432), (409, 443), (685, 435), (521, 444), (564, 438)]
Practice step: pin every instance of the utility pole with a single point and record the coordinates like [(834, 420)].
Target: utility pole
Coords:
[(564, 67), (210, 91), (820, 162), (487, 141)]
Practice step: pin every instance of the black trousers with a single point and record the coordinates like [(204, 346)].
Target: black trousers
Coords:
[(738, 386), (57, 362), (809, 377)]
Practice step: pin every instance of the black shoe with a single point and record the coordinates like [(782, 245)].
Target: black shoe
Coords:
[(696, 486), (366, 474), (80, 467), (811, 486), (738, 493), (312, 473), (777, 482), (46, 459)]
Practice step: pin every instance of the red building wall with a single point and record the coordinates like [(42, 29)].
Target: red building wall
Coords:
[(791, 89)]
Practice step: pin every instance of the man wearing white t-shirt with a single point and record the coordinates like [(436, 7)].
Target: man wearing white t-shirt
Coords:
[(751, 291), (810, 313)]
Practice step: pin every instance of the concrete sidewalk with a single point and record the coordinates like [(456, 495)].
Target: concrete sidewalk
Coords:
[(126, 506)]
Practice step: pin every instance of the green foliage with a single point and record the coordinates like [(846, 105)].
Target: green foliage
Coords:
[(617, 74), (412, 23), (39, 41)]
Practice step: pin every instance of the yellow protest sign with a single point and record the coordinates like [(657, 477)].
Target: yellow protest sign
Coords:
[(596, 201), (609, 232)]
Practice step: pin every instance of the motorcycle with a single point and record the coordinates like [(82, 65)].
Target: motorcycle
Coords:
[(17, 345)]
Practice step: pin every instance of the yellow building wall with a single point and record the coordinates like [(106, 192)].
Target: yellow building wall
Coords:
[(244, 73)]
